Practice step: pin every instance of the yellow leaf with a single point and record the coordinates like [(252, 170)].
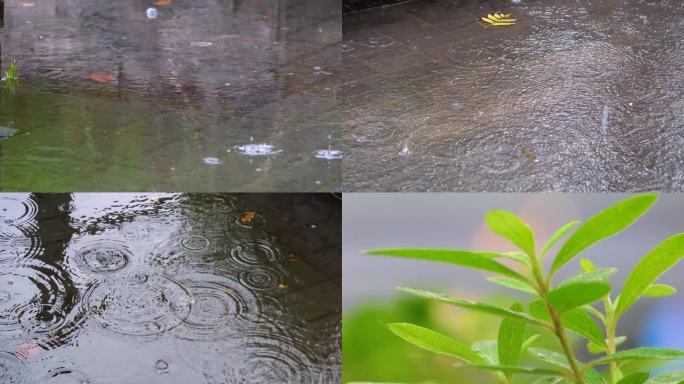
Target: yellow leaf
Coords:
[(248, 217)]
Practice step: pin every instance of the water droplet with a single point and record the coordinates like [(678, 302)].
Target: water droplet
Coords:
[(212, 161), (161, 366), (257, 149), (328, 154), (151, 13)]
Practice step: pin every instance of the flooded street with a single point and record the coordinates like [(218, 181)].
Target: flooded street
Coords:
[(576, 96), (171, 95), (170, 288)]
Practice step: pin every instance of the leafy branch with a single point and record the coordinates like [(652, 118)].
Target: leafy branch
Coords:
[(561, 308)]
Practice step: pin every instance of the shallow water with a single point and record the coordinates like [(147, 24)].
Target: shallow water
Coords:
[(124, 288), (111, 100), (578, 96)]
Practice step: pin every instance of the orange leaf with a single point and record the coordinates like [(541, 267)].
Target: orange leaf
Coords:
[(100, 77), (161, 3), (247, 217)]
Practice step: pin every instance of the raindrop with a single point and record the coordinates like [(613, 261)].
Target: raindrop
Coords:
[(212, 161), (328, 154), (257, 149), (151, 13), (161, 366), (202, 44), (99, 256)]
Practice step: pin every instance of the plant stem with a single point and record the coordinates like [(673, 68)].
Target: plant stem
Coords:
[(557, 326), (560, 334), (611, 326)]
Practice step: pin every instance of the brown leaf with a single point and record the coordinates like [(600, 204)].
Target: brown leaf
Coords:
[(100, 77), (248, 217), (162, 3)]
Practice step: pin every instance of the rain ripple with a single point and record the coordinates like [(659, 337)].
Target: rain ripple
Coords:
[(268, 358), (221, 306), (139, 305)]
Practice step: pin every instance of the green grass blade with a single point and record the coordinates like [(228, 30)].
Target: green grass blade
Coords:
[(603, 225)]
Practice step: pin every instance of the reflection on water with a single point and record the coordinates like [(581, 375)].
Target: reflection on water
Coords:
[(577, 96), (134, 103), (169, 288)]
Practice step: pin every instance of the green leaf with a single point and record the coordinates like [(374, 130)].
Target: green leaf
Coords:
[(655, 263), (587, 265), (529, 341), (635, 378), (435, 342), (643, 353), (591, 376), (520, 370), (511, 227), (572, 295), (599, 275), (557, 235), (473, 305), (576, 320), (512, 284), (674, 377), (551, 357), (551, 380), (489, 351), (603, 225), (517, 256), (596, 349), (659, 290), (511, 338), (478, 260)]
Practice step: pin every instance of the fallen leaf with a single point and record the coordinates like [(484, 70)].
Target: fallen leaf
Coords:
[(498, 19), (162, 3), (529, 155), (100, 77), (248, 217)]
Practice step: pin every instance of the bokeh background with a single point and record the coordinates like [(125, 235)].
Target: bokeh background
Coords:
[(372, 353)]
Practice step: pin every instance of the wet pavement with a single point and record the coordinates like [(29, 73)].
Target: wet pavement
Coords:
[(182, 95), (170, 288), (577, 96)]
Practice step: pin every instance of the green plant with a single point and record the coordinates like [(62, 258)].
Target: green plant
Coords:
[(558, 308), (11, 72)]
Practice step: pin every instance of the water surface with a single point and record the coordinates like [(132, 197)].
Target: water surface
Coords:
[(110, 99), (124, 288), (577, 96)]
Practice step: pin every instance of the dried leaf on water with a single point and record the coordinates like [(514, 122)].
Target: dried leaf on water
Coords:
[(248, 217), (498, 19), (100, 77)]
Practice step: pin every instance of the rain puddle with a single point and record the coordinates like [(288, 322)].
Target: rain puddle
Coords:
[(170, 288), (578, 95), (130, 96)]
